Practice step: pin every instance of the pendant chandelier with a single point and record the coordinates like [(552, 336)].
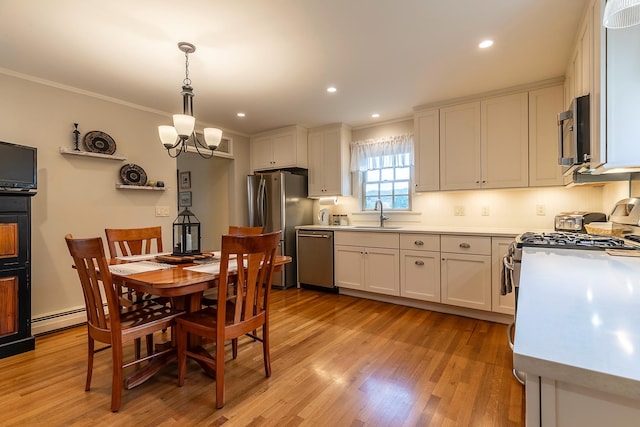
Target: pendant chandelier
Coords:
[(182, 133), (621, 13)]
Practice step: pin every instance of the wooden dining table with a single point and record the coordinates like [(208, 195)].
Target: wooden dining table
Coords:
[(184, 288)]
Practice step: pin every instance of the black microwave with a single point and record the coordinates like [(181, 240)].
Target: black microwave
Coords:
[(574, 141)]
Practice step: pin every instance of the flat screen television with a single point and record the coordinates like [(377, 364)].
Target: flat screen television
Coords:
[(18, 166)]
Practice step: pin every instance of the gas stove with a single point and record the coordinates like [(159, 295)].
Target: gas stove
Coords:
[(560, 239)]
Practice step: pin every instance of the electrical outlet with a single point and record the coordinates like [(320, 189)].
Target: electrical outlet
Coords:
[(485, 211), (162, 210), (458, 210), (541, 210)]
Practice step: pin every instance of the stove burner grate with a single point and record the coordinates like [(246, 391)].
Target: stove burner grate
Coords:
[(573, 241)]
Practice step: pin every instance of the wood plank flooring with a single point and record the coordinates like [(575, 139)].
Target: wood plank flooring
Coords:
[(336, 361)]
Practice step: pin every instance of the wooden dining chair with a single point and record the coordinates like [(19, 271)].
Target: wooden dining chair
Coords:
[(117, 325), (134, 241), (249, 311), (210, 297)]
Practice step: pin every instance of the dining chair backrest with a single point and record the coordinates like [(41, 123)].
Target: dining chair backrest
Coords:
[(93, 269), (134, 241), (253, 282), (238, 230)]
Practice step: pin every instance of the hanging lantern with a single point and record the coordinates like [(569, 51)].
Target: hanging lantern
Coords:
[(186, 234)]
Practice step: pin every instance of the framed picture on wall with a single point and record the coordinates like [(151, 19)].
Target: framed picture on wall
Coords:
[(184, 199), (185, 180)]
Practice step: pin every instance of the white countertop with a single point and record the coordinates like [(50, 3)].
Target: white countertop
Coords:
[(437, 229), (578, 319)]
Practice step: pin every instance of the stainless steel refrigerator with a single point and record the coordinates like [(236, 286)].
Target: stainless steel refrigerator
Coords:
[(278, 201)]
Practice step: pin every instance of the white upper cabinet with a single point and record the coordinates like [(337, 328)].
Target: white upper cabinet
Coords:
[(544, 106), (622, 94), (328, 149), (505, 141), (484, 144), (280, 148), (460, 147), (426, 130)]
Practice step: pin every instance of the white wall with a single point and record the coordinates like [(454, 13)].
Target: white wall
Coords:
[(76, 194)]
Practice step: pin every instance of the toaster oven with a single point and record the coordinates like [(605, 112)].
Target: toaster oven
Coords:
[(575, 221)]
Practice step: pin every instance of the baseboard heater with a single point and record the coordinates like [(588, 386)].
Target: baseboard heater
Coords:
[(57, 321)]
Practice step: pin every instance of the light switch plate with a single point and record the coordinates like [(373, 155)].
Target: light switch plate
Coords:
[(162, 210), (458, 210)]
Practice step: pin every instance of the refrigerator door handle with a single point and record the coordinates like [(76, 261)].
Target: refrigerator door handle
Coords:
[(262, 193)]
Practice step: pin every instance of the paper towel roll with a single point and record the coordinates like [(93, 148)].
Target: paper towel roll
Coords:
[(328, 201)]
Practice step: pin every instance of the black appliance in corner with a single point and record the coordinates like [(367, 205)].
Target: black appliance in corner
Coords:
[(18, 182)]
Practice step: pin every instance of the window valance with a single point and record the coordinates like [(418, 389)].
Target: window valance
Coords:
[(382, 152)]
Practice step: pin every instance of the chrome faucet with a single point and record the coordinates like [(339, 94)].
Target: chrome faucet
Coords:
[(383, 218)]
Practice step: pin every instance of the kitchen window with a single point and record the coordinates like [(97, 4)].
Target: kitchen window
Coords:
[(384, 165), (391, 185)]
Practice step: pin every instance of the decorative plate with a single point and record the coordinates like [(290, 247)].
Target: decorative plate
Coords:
[(99, 142), (133, 174)]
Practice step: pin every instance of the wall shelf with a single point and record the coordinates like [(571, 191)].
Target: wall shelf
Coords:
[(64, 150), (139, 187)]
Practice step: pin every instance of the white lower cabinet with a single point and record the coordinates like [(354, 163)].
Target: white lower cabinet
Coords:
[(420, 266), (367, 261), (466, 271), (459, 270)]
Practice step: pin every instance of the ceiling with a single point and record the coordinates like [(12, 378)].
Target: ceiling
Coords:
[(273, 59)]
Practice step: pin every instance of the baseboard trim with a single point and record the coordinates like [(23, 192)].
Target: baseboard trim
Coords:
[(424, 305), (58, 320)]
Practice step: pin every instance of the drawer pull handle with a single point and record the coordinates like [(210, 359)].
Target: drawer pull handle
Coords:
[(465, 245), (418, 243), (418, 262)]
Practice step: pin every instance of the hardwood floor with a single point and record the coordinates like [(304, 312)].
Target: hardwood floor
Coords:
[(336, 361)]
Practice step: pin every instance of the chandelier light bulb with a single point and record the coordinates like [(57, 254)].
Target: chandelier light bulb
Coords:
[(212, 137), (168, 135)]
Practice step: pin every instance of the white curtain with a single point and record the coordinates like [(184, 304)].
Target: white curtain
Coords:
[(381, 152)]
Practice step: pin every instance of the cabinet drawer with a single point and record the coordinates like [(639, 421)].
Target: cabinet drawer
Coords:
[(366, 238), (466, 245), (420, 242)]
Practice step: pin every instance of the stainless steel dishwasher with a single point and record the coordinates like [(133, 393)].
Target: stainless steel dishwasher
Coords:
[(315, 258)]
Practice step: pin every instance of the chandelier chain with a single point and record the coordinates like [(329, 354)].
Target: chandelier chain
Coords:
[(187, 80)]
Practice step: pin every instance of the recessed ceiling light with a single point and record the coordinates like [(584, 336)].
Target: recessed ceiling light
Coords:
[(375, 115), (485, 44), (240, 114), (332, 89)]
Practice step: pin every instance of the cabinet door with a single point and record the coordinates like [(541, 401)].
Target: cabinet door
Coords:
[(420, 275), (284, 150), (544, 106), (381, 273), (500, 303), (466, 280), (331, 173), (460, 147), (261, 153), (8, 305), (316, 149), (623, 93), (427, 150), (505, 141), (349, 267)]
